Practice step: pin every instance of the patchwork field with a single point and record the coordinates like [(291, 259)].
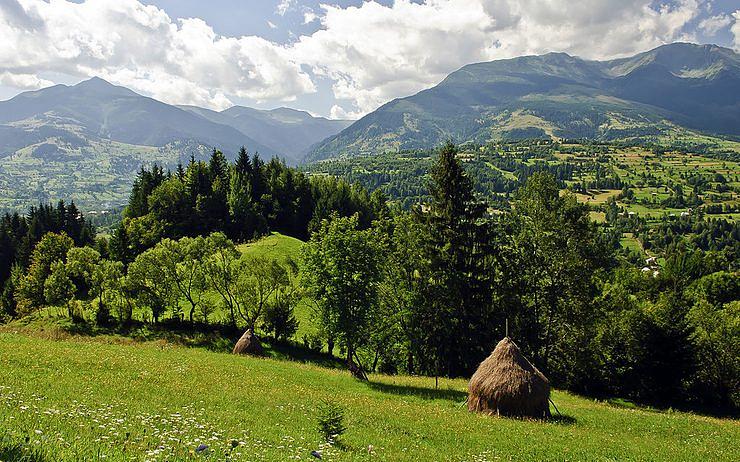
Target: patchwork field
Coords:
[(76, 399)]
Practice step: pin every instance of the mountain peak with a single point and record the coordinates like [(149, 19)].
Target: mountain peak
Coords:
[(103, 87)]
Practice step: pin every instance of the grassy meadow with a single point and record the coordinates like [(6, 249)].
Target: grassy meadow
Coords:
[(68, 398)]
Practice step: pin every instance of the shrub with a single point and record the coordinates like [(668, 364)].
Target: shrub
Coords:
[(312, 341), (331, 420), (280, 320)]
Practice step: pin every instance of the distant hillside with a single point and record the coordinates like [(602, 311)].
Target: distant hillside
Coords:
[(86, 142), (673, 88), (94, 110), (285, 130)]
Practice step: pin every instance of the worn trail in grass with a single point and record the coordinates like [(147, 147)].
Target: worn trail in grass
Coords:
[(75, 400)]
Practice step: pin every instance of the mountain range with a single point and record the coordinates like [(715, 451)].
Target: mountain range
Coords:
[(87, 141), (674, 87), (64, 120)]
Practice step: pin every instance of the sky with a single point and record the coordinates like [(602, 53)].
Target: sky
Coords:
[(333, 58)]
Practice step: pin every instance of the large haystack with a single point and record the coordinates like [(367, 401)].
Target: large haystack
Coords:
[(248, 344), (506, 383)]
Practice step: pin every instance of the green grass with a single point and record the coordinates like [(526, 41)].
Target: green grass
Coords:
[(86, 400), (628, 241), (276, 245), (281, 248)]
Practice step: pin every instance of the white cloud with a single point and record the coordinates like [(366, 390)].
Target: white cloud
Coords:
[(374, 52), (141, 47), (713, 24), (371, 52), (309, 16), (284, 6), (271, 25), (23, 81), (735, 29)]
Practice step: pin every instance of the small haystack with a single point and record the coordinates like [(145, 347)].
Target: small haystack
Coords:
[(506, 383), (248, 344)]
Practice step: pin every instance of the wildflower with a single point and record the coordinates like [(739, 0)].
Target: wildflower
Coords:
[(201, 448), (316, 454)]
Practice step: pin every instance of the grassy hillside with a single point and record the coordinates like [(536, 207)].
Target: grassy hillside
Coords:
[(276, 245), (497, 168), (97, 174), (83, 400), (281, 248)]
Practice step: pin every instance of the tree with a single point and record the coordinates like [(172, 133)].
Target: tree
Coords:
[(29, 293), (80, 266), (182, 262), (405, 273), (146, 181), (219, 270), (342, 272), (241, 208), (59, 288), (150, 282), (556, 252), (169, 203), (120, 245), (455, 321), (8, 304), (107, 284), (258, 280)]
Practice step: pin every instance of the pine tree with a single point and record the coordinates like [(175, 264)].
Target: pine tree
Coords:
[(456, 314)]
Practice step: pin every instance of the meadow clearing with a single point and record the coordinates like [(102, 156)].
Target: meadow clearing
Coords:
[(69, 398)]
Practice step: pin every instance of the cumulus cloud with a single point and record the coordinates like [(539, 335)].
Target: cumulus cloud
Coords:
[(179, 61), (713, 24), (370, 53), (736, 30)]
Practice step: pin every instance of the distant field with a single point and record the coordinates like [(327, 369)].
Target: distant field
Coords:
[(86, 400), (97, 177), (628, 241)]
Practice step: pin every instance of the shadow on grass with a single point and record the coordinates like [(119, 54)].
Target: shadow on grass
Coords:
[(420, 392), (562, 419), (20, 453), (215, 337), (727, 412), (294, 352)]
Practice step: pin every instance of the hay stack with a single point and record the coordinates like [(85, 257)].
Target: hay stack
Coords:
[(507, 384), (248, 344)]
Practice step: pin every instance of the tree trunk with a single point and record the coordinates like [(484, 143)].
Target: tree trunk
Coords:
[(330, 346), (355, 368)]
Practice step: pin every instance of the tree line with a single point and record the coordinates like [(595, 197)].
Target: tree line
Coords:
[(424, 291), (430, 292), (243, 200)]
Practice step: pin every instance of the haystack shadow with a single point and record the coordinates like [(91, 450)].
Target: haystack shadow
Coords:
[(419, 392)]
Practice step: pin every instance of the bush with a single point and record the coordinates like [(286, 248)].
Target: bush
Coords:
[(102, 316), (312, 341), (331, 420), (280, 320)]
